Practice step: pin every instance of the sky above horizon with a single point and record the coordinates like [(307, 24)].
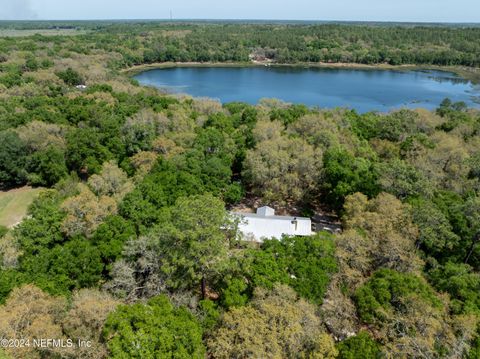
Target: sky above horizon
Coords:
[(342, 10)]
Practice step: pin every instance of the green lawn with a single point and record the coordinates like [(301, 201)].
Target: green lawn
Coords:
[(14, 205)]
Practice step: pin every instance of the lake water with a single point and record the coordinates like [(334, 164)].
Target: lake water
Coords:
[(363, 90)]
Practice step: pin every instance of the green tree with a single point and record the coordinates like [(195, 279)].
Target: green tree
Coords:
[(387, 290), (85, 152), (281, 168), (461, 282), (47, 167), (304, 263), (12, 160), (275, 325), (153, 330), (196, 243), (110, 237), (345, 174), (359, 346), (70, 77)]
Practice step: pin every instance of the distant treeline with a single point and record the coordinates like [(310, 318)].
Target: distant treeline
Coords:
[(365, 44), (144, 42)]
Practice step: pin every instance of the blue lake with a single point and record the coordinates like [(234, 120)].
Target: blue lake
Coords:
[(363, 90)]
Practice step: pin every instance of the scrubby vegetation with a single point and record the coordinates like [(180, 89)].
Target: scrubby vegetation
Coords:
[(130, 244)]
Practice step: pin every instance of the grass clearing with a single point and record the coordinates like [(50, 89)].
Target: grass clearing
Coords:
[(43, 32), (14, 204)]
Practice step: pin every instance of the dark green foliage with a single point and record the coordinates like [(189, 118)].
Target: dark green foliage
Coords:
[(209, 314), (304, 263), (12, 77), (364, 126), (85, 152), (110, 237), (145, 206), (156, 329), (234, 193), (399, 152), (70, 77), (31, 64), (12, 160), (284, 43), (195, 243), (346, 174), (454, 113), (46, 64), (74, 265), (236, 293), (475, 350), (461, 282), (289, 114), (9, 279), (436, 235), (42, 230), (396, 126), (46, 167), (359, 346), (3, 231), (450, 204), (388, 290), (99, 88)]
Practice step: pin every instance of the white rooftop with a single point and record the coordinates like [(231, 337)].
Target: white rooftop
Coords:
[(265, 225)]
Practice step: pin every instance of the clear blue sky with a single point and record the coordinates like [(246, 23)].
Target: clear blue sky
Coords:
[(361, 10)]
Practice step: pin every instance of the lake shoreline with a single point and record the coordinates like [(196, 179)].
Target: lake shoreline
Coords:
[(366, 89), (467, 73)]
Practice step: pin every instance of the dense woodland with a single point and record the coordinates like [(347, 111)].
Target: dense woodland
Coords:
[(131, 244)]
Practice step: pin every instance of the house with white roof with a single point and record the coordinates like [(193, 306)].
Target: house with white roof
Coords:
[(265, 225)]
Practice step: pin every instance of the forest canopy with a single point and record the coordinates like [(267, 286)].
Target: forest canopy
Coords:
[(131, 244)]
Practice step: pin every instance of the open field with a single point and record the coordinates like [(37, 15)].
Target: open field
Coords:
[(14, 204), (44, 32)]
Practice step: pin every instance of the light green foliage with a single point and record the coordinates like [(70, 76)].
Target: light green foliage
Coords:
[(153, 330), (402, 180), (85, 212), (281, 168), (390, 235), (111, 181), (276, 324)]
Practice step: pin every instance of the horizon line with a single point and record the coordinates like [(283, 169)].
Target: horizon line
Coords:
[(247, 19)]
